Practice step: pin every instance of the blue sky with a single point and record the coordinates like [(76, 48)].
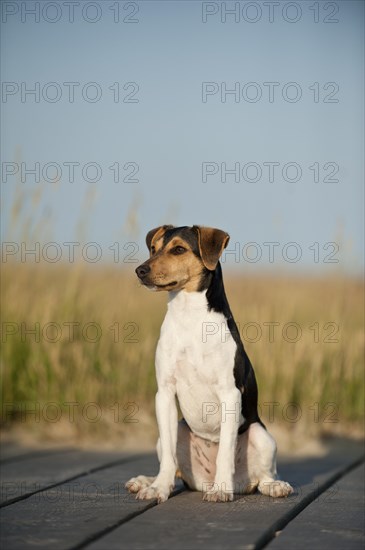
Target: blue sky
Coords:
[(168, 53)]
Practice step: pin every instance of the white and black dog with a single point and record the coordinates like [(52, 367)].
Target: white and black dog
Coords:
[(221, 447)]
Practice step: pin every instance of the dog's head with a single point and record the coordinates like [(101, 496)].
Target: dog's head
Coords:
[(181, 256)]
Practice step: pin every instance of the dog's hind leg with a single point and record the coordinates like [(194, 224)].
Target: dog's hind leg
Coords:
[(261, 463)]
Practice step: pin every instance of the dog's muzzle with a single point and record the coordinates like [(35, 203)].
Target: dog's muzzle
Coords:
[(142, 271)]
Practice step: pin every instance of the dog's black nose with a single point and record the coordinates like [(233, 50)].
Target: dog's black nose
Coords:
[(142, 270)]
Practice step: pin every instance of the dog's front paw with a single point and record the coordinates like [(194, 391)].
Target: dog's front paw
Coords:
[(135, 484), (218, 495), (160, 492)]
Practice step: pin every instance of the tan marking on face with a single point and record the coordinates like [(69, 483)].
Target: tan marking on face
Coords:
[(166, 267), (156, 245), (157, 239)]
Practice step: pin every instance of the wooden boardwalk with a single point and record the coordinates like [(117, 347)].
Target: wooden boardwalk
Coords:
[(71, 499)]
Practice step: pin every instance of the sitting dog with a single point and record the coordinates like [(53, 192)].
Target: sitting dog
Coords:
[(221, 447)]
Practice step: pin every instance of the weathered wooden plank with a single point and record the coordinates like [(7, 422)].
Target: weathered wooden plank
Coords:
[(12, 449), (186, 522), (18, 453), (65, 516), (334, 520), (21, 478)]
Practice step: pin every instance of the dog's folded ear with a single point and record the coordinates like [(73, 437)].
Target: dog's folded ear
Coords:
[(156, 234), (211, 243)]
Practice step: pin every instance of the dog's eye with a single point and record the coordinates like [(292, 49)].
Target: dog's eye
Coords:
[(178, 250)]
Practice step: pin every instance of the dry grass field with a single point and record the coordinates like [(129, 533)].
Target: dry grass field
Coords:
[(78, 350)]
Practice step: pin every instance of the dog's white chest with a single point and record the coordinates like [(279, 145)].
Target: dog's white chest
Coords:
[(196, 353)]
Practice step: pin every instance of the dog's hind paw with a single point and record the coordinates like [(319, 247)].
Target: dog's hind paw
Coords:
[(275, 488), (135, 484)]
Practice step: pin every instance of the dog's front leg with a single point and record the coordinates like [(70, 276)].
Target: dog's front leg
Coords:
[(167, 423), (222, 490)]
